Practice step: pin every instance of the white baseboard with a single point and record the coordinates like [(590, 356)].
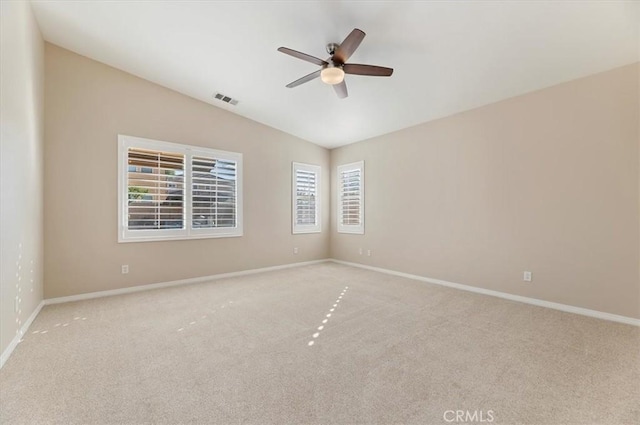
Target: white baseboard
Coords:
[(189, 281), (519, 298), (18, 338)]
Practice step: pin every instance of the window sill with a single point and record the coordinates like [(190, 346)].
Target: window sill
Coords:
[(176, 238)]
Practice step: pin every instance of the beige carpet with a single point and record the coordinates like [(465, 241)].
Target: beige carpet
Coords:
[(392, 351)]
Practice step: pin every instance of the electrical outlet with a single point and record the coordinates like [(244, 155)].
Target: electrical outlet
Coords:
[(360, 251), (295, 250), (125, 268), (368, 253), (527, 276)]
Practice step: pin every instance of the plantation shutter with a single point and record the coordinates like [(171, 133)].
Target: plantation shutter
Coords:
[(155, 186), (305, 197), (214, 192), (306, 212), (169, 191), (351, 198)]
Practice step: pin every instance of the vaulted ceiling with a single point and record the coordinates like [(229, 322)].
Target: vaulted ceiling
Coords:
[(448, 56)]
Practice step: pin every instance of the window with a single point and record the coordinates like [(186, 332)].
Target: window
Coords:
[(306, 198), (171, 191), (351, 198)]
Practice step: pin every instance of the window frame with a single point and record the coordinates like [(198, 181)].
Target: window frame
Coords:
[(350, 228), (188, 232), (297, 229)]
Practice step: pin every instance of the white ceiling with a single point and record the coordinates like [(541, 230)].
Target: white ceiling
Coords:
[(448, 56)]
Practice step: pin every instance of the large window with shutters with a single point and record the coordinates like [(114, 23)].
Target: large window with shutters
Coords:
[(306, 198), (173, 191), (351, 198)]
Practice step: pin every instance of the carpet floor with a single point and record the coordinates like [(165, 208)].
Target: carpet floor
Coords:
[(319, 344)]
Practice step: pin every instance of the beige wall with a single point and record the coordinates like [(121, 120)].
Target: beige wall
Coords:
[(21, 116), (545, 182), (88, 104)]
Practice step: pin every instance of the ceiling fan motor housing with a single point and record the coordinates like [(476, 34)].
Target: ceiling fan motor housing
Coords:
[(332, 47)]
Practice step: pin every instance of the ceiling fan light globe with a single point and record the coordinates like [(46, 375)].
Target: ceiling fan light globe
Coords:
[(332, 75)]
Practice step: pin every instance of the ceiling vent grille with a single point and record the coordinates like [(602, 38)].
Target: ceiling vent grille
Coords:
[(226, 99)]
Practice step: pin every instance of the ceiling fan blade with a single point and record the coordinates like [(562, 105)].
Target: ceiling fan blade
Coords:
[(304, 79), (303, 56), (372, 70), (348, 46), (341, 89)]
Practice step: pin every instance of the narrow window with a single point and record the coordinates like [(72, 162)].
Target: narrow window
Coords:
[(351, 198), (306, 198)]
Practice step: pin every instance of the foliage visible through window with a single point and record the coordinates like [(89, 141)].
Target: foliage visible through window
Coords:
[(152, 203), (176, 191)]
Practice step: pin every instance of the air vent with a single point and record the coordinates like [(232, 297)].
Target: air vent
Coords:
[(226, 99)]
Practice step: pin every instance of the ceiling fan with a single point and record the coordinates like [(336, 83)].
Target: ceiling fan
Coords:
[(334, 68)]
